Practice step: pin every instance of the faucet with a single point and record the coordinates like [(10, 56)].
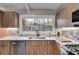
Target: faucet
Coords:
[(50, 34), (37, 33)]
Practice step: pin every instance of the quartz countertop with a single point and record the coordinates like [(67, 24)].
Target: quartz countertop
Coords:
[(62, 40), (24, 38)]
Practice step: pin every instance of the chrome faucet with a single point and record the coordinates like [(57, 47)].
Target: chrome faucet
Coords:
[(37, 33)]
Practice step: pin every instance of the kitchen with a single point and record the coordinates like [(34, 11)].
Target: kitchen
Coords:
[(39, 29)]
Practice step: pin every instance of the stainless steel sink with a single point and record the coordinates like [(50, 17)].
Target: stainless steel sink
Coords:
[(41, 38), (36, 37)]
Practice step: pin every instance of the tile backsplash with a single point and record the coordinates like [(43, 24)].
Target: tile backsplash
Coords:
[(8, 31), (74, 33)]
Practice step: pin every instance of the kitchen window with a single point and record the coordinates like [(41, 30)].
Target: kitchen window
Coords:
[(40, 23)]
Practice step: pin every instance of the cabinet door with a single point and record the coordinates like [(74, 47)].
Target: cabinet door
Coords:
[(4, 48), (1, 14), (38, 47), (33, 47), (16, 19), (10, 19), (42, 47)]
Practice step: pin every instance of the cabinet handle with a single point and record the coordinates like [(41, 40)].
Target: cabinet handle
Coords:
[(16, 43)]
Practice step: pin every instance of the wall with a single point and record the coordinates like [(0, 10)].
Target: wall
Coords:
[(3, 9)]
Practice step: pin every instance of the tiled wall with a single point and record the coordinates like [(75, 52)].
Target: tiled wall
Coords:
[(3, 32), (7, 31)]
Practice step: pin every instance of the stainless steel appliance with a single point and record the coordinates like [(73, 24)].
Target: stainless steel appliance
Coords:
[(71, 49), (18, 47)]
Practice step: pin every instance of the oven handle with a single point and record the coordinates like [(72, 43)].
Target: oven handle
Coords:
[(63, 51)]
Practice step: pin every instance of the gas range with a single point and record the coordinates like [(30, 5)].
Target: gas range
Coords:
[(71, 49)]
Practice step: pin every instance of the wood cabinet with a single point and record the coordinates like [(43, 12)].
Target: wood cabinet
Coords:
[(4, 47), (10, 19), (1, 18), (42, 47), (66, 13), (30, 47)]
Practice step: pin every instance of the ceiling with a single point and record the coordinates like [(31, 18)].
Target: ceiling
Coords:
[(31, 8), (44, 5)]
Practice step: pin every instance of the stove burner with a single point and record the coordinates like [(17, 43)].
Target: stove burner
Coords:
[(74, 48)]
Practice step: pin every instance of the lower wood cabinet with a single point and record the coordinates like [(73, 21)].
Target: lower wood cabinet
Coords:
[(29, 47), (42, 47), (5, 48)]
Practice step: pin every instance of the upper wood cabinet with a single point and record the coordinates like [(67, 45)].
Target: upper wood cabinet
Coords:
[(1, 14), (10, 19), (65, 14)]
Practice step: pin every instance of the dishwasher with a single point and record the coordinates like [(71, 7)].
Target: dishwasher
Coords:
[(18, 47)]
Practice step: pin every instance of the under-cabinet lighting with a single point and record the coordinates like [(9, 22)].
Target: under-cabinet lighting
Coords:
[(70, 28), (12, 28)]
